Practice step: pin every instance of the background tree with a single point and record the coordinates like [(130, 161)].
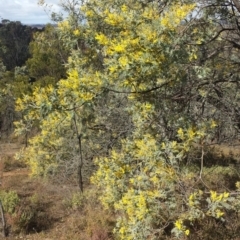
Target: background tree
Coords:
[(14, 51), (48, 56), (14, 43), (7, 102)]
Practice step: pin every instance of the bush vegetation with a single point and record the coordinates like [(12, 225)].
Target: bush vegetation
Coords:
[(130, 97)]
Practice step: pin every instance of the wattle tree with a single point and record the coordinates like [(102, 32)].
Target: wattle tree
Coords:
[(147, 91)]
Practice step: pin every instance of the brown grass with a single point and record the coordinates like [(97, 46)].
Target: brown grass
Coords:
[(47, 210)]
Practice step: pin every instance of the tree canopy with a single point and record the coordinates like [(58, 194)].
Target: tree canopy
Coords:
[(14, 43)]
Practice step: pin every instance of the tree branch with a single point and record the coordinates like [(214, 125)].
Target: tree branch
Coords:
[(237, 4)]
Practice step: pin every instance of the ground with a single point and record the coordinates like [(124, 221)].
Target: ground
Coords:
[(49, 210)]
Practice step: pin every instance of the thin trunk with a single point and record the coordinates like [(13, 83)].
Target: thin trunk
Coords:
[(80, 164), (4, 229)]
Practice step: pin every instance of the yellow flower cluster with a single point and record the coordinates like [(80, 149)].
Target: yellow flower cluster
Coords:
[(219, 213), (64, 25), (101, 38), (180, 227), (76, 32), (176, 14), (113, 19), (194, 198), (80, 88), (218, 197)]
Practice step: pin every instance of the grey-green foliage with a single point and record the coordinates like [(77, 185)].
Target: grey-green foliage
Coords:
[(9, 200), (211, 90)]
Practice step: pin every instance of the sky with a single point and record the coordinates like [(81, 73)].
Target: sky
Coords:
[(27, 11)]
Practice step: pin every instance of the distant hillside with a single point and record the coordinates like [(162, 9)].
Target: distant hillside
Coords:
[(39, 26)]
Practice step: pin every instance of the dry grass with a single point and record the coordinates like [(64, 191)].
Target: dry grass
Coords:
[(49, 211), (52, 214)]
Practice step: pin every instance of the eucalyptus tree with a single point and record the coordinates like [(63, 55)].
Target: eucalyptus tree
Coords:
[(14, 43)]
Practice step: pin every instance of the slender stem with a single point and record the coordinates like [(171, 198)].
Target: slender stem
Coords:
[(201, 170), (3, 220), (80, 164)]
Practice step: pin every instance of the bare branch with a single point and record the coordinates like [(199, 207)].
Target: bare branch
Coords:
[(237, 4)]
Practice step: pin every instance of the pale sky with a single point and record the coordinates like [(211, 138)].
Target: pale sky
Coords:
[(27, 11)]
